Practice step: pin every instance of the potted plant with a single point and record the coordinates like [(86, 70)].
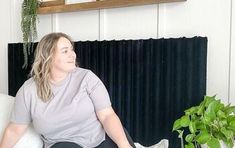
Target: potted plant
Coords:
[(208, 123), (28, 26)]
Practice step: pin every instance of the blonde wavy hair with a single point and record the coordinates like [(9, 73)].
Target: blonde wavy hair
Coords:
[(41, 67)]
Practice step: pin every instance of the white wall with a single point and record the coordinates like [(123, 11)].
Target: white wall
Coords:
[(232, 65), (130, 23), (5, 31), (211, 18)]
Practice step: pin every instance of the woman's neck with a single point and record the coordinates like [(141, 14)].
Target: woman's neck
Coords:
[(57, 77)]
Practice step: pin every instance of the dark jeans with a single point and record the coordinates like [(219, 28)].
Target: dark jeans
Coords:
[(107, 143)]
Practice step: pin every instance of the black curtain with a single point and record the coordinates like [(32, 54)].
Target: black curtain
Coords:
[(150, 82)]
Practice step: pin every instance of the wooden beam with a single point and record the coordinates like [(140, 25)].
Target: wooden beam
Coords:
[(101, 4)]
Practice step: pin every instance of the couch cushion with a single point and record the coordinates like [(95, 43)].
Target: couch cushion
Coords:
[(30, 139), (6, 104)]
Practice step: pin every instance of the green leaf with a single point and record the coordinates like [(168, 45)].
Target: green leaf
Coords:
[(201, 109), (230, 109), (192, 127), (232, 125), (193, 117), (176, 125), (189, 145), (230, 118), (191, 110), (229, 143), (208, 100), (213, 143), (207, 119), (228, 134), (184, 121), (203, 137), (211, 110), (221, 114), (200, 125), (189, 137), (222, 122)]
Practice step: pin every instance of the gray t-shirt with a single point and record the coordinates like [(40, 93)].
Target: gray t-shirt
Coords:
[(71, 113)]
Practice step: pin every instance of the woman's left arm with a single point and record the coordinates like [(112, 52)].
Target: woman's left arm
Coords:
[(113, 127)]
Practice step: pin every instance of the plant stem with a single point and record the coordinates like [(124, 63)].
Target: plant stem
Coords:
[(182, 142)]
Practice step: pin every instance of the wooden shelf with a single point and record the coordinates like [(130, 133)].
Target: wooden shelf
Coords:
[(52, 3), (99, 4)]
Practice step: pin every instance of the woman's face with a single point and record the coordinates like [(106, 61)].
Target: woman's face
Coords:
[(64, 58)]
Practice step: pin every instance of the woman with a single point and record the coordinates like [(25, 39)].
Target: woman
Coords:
[(69, 106)]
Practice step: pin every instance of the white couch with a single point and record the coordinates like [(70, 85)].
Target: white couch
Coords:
[(31, 139)]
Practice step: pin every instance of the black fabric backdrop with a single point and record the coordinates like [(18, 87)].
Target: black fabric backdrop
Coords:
[(150, 82)]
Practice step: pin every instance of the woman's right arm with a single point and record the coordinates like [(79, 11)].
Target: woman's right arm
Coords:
[(12, 134)]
